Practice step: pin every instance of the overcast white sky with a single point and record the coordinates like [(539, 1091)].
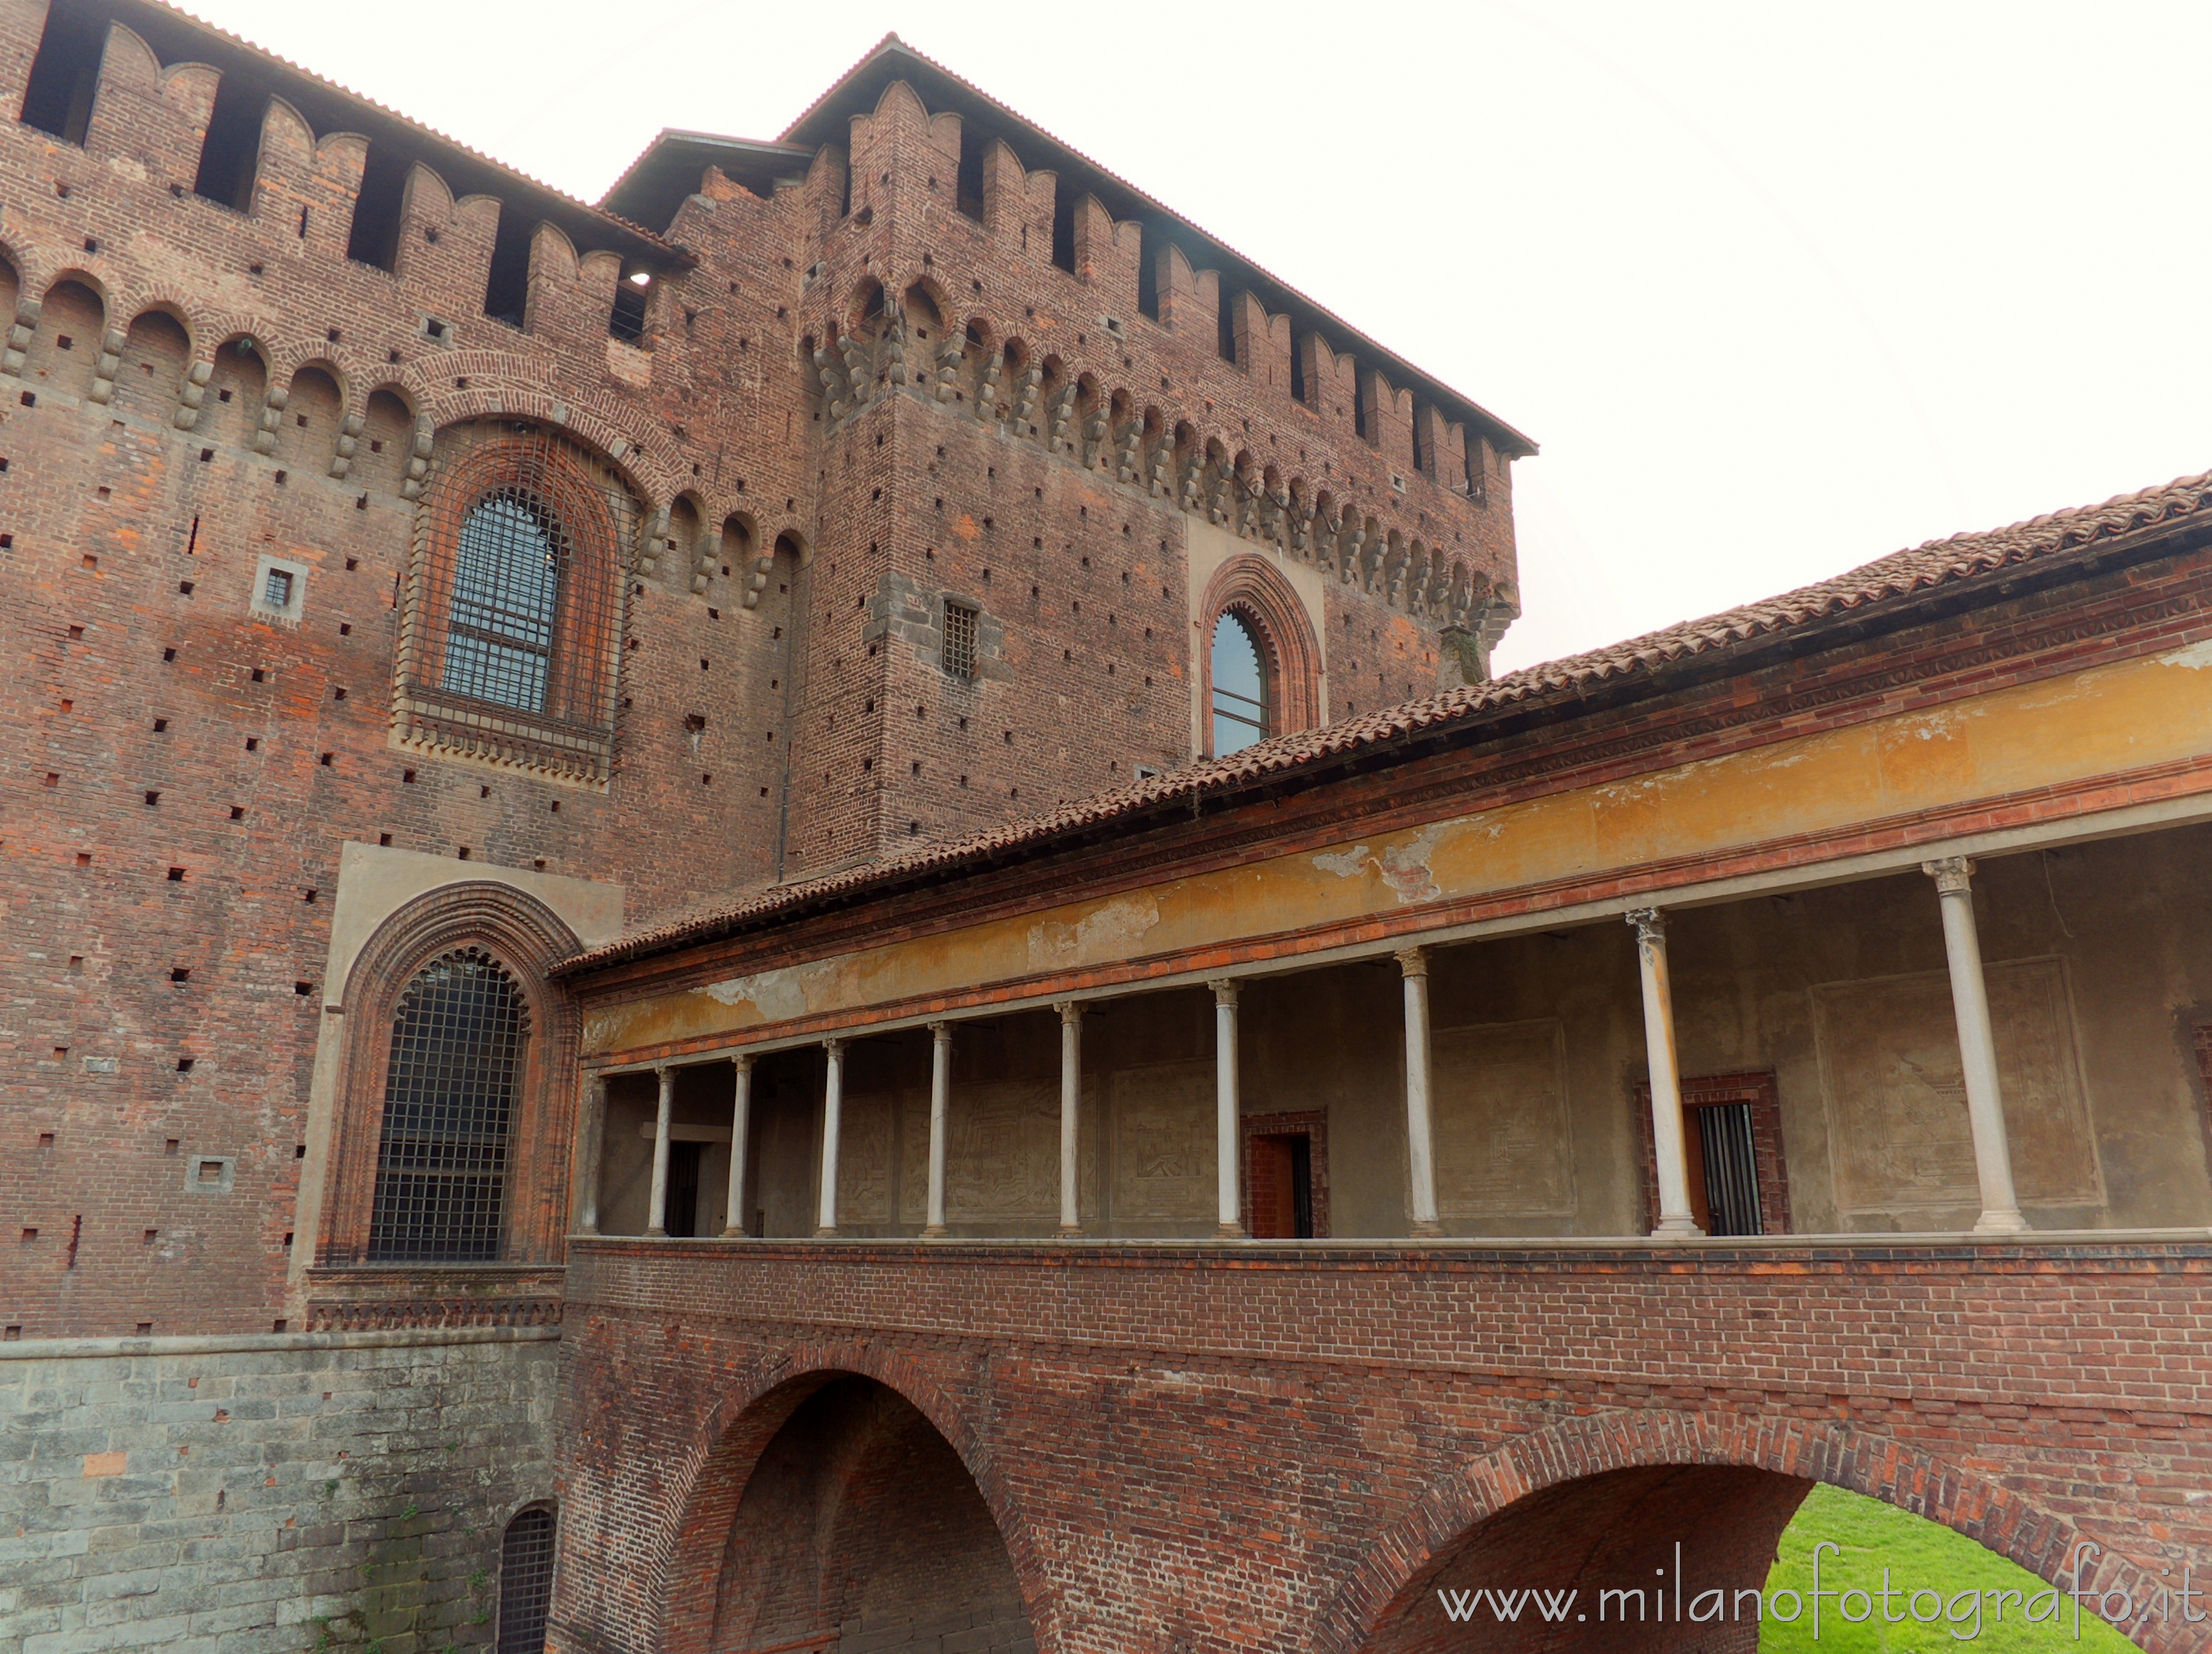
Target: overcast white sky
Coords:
[(1779, 288)]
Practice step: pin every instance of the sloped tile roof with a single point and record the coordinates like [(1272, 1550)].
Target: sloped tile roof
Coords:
[(1886, 579)]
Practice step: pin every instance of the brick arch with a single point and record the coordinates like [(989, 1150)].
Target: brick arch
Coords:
[(525, 936), (1398, 1563), (503, 386), (727, 1448), (1249, 584)]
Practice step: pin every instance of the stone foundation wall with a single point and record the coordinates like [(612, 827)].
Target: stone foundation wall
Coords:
[(293, 1493)]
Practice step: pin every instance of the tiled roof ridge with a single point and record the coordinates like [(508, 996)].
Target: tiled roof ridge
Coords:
[(194, 20), (1938, 562)]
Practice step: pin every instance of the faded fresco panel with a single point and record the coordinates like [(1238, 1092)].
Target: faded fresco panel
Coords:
[(1002, 1151), (866, 1126), (1897, 1098), (1499, 1112), (1163, 1140)]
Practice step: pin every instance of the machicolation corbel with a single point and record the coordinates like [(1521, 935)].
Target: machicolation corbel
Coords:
[(195, 394), (19, 337)]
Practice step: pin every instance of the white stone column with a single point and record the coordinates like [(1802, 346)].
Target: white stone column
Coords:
[(940, 1102), (741, 1123), (591, 1135), (1667, 1142), (1420, 1139), (1071, 1110), (832, 1102), (656, 1220), (1978, 1047), (1228, 1124)]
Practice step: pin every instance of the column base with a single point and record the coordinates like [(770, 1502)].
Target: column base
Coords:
[(825, 1232), (1684, 1228), (1229, 1232), (1425, 1229), (1071, 1232), (656, 1233), (733, 1233), (590, 1228), (935, 1232), (2001, 1222)]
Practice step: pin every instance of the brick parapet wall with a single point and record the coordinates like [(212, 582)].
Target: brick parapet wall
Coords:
[(229, 1496), (1113, 1400)]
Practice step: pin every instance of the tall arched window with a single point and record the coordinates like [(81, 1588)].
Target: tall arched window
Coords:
[(1240, 685), (448, 1100), (510, 647), (506, 590), (526, 1581)]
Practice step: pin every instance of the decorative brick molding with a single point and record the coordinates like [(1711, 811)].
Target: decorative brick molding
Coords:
[(1250, 586), (1312, 1124), (524, 936), (1757, 1088)]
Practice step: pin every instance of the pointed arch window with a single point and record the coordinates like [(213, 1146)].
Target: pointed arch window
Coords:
[(1240, 685), (449, 1100)]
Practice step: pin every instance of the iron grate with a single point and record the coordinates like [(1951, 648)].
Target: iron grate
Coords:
[(441, 1162), (526, 1582)]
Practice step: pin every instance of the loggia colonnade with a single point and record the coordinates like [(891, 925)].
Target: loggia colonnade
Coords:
[(1952, 876)]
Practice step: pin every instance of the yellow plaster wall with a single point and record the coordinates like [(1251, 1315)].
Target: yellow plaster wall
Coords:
[(2111, 719)]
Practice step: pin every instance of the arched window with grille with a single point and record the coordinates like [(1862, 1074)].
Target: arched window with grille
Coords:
[(510, 650), (449, 1102), (526, 1581), (1240, 685), (507, 593)]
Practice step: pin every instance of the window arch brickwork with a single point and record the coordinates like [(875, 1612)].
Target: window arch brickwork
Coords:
[(1292, 669), (522, 938), (510, 644)]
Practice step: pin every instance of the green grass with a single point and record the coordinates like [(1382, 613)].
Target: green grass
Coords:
[(1918, 1554)]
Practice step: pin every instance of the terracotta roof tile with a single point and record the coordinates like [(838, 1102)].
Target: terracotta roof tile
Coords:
[(1886, 580)]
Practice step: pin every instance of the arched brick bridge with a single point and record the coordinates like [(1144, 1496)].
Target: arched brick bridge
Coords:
[(809, 1445)]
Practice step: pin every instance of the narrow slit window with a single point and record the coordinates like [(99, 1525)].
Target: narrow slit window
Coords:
[(441, 1160), (1240, 685)]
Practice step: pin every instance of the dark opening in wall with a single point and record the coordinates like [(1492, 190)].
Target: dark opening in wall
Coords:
[(627, 320), (1359, 403), (1425, 459), (231, 154), (66, 73), (1063, 225), (374, 238), (968, 183), (1225, 339), (1297, 367), (1149, 247), (507, 289)]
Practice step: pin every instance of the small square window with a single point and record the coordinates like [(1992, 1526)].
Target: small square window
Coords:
[(277, 591)]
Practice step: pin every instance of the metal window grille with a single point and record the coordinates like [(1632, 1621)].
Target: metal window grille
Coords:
[(526, 1582), (960, 640), (512, 644), (506, 590), (1731, 1168), (442, 1165), (278, 594)]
